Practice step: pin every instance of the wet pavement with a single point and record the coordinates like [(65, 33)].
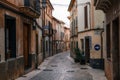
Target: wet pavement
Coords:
[(62, 68)]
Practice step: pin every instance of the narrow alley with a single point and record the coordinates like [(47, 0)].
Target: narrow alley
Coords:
[(62, 67), (59, 39)]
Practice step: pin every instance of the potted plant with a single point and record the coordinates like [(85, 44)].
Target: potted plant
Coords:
[(77, 55), (82, 59)]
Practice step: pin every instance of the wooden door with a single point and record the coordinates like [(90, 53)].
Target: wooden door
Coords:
[(87, 50), (26, 45), (37, 51), (115, 49)]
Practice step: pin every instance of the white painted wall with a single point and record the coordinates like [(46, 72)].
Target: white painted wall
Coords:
[(99, 17), (81, 4)]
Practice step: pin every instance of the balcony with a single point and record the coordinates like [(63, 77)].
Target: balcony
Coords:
[(48, 31), (31, 8), (103, 5)]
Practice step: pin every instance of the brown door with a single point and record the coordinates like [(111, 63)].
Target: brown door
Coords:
[(115, 49), (26, 45), (37, 50), (87, 50)]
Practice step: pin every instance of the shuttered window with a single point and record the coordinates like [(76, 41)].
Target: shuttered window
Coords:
[(108, 43), (86, 16)]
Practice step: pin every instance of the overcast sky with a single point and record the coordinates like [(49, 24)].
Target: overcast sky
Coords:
[(60, 11)]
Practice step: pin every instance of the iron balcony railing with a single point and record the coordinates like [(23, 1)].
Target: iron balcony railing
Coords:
[(31, 8), (34, 4)]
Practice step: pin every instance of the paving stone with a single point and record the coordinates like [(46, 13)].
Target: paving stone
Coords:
[(64, 69), (61, 68)]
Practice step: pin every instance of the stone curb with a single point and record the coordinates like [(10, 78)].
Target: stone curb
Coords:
[(37, 71)]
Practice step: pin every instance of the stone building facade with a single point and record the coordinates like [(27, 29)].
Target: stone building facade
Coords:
[(55, 36), (48, 27), (89, 31), (59, 34), (62, 34), (66, 39), (39, 39), (17, 37), (112, 37), (73, 26)]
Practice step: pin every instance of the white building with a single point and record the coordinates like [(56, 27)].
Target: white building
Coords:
[(90, 30)]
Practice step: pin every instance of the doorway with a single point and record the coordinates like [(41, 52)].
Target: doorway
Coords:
[(26, 46), (87, 49), (37, 51), (115, 49), (10, 37)]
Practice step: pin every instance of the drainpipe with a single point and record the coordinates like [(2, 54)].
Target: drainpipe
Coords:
[(101, 44), (102, 40)]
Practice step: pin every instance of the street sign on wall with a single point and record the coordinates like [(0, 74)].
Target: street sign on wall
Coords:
[(97, 47)]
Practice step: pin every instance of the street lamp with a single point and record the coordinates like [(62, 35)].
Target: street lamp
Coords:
[(34, 26)]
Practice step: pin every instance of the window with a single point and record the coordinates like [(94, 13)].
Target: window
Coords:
[(50, 27), (41, 48), (46, 45), (73, 27), (76, 44), (82, 44), (76, 22), (10, 37), (108, 41), (90, 42), (86, 16), (71, 45)]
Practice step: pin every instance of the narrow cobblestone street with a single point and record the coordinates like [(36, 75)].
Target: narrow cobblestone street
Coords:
[(59, 39), (62, 67)]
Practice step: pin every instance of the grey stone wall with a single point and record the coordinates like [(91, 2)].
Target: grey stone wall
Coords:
[(11, 69)]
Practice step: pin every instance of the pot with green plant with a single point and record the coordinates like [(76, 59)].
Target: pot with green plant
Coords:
[(82, 59), (77, 55)]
